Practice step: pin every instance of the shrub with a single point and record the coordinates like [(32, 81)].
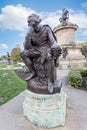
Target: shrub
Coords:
[(86, 84), (75, 78), (84, 50), (83, 73)]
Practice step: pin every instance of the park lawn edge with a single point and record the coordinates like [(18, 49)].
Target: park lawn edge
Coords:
[(10, 85)]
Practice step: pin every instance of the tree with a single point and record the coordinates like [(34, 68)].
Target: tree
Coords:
[(84, 51), (82, 44), (15, 54)]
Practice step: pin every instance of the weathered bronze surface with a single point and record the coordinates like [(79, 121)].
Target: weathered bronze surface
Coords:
[(41, 55)]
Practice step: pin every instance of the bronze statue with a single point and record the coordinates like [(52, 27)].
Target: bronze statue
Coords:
[(41, 55), (65, 16), (8, 58)]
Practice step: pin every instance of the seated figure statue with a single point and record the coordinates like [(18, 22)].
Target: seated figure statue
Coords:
[(41, 55)]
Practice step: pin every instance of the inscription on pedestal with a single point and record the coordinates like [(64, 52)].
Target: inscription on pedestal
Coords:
[(51, 107)]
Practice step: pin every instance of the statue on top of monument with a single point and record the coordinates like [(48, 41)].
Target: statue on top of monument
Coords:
[(65, 17), (41, 55)]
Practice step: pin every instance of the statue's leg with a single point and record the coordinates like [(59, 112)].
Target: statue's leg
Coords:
[(50, 70), (29, 64)]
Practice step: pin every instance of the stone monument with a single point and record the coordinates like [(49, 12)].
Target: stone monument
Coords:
[(45, 102), (65, 33)]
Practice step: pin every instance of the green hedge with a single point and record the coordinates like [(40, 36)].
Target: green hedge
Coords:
[(83, 72), (75, 78)]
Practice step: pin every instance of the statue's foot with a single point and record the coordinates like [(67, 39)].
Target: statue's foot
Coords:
[(26, 70), (32, 75), (50, 88)]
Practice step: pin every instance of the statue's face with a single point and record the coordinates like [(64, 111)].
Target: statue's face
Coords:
[(34, 24)]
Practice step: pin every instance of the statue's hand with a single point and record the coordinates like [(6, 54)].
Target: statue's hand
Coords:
[(26, 52)]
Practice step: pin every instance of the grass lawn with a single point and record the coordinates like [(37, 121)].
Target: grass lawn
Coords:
[(3, 65), (10, 85)]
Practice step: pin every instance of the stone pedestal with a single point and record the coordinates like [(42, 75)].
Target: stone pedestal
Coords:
[(45, 110), (74, 59), (74, 53), (66, 38), (66, 34), (70, 64)]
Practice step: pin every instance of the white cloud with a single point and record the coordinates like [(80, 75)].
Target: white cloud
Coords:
[(51, 18), (75, 16), (80, 19), (14, 17), (3, 46)]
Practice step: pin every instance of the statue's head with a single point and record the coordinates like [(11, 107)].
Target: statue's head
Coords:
[(56, 50), (33, 21), (65, 11)]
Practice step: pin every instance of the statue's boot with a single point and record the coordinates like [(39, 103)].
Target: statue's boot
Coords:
[(32, 75), (50, 87)]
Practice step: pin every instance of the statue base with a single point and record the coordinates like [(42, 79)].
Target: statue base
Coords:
[(35, 86), (45, 110)]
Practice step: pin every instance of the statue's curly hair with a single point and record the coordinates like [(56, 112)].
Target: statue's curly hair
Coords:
[(34, 17)]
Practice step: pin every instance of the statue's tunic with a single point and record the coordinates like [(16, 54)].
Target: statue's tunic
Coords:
[(40, 41)]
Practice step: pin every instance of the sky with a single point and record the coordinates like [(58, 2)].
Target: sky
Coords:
[(14, 13)]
